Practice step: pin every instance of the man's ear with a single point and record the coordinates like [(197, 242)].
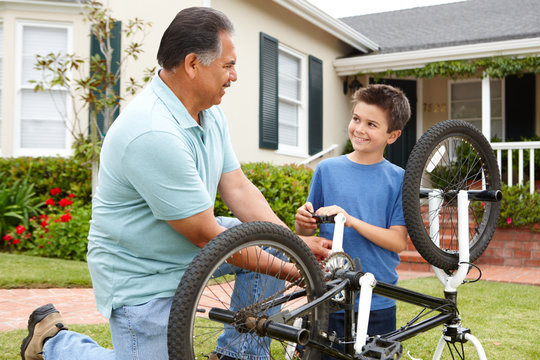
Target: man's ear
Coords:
[(191, 64), (394, 135)]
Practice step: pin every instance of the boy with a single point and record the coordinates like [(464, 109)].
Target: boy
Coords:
[(366, 189)]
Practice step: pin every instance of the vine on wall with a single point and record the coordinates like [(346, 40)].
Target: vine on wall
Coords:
[(496, 67)]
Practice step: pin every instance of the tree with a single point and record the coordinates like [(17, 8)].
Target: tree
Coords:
[(90, 83)]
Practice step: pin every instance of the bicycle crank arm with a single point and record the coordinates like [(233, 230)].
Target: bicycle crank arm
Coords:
[(262, 326)]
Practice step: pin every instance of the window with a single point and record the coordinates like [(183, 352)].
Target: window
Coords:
[(290, 116), (40, 117), (466, 104), (291, 108)]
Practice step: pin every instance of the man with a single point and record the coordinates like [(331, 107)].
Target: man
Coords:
[(162, 162)]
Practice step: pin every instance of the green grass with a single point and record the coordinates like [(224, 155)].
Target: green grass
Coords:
[(19, 271), (504, 317), (10, 341)]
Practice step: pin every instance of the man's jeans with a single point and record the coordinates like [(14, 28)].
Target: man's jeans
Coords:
[(140, 332)]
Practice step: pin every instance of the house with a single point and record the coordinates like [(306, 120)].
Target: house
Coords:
[(285, 54), (297, 67), (504, 107)]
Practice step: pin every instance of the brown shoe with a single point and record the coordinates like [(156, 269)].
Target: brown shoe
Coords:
[(44, 323)]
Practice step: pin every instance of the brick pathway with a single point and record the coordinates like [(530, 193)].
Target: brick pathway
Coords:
[(78, 305)]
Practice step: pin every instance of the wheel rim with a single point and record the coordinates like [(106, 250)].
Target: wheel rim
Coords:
[(454, 164), (217, 292)]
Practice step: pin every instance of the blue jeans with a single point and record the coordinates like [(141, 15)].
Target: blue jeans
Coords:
[(140, 332)]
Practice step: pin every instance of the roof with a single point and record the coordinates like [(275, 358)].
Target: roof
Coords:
[(461, 23), (339, 29)]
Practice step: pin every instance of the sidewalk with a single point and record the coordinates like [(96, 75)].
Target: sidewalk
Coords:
[(78, 305)]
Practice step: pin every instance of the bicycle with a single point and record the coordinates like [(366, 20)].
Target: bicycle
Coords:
[(451, 195)]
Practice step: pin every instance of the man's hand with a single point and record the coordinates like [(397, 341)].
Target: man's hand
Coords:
[(319, 246)]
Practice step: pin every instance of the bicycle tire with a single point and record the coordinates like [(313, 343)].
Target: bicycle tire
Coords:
[(451, 156), (190, 337)]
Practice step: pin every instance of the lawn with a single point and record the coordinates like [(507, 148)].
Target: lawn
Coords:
[(504, 317)]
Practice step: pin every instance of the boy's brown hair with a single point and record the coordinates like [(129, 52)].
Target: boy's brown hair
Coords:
[(390, 99)]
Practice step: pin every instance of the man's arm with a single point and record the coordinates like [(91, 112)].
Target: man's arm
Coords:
[(199, 228)]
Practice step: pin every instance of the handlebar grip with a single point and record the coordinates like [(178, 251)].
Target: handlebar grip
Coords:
[(324, 219)]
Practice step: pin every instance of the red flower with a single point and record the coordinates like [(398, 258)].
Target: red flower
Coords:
[(16, 241), (65, 202), (44, 224), (7, 237), (43, 217), (20, 229), (509, 221), (66, 217), (55, 191), (49, 201), (71, 196)]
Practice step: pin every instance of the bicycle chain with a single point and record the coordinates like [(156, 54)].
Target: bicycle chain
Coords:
[(323, 264)]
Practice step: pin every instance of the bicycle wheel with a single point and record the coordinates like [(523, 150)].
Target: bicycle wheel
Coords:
[(451, 156), (213, 286)]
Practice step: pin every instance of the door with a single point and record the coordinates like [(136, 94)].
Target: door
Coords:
[(398, 152)]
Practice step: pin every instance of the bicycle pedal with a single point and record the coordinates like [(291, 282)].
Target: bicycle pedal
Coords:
[(381, 349)]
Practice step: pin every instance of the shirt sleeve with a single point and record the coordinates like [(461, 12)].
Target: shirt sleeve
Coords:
[(161, 168), (397, 214), (315, 195)]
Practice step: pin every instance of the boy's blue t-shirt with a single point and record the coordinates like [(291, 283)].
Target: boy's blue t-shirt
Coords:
[(371, 193)]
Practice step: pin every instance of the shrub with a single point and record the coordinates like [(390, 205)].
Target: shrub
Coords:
[(46, 173), (17, 204), (284, 187), (61, 231), (519, 207)]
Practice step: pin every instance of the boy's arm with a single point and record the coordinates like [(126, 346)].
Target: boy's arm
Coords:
[(393, 238)]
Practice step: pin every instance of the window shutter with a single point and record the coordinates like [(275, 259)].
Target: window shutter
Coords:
[(268, 93), (315, 106), (116, 44)]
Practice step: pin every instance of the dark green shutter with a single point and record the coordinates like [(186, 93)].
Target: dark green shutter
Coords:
[(268, 93), (116, 44), (315, 106)]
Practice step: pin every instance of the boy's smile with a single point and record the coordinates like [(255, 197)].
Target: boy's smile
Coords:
[(368, 133)]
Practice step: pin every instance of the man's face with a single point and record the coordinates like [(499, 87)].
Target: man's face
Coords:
[(217, 76)]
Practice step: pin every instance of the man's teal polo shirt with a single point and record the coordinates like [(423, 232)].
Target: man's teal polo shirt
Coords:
[(156, 164)]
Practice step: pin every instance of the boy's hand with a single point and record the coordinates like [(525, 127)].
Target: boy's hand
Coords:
[(321, 247), (303, 217), (334, 210)]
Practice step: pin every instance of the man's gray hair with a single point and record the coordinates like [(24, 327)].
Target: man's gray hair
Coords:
[(193, 30)]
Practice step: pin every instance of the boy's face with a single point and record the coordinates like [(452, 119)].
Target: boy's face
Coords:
[(368, 133)]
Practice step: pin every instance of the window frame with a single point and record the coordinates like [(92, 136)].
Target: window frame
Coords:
[(502, 100), (19, 86), (301, 149)]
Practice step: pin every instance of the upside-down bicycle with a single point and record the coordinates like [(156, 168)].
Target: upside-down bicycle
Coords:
[(451, 195)]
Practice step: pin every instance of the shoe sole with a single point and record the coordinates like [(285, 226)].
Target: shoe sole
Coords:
[(37, 315)]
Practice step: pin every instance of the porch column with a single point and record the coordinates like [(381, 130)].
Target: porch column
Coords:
[(486, 107)]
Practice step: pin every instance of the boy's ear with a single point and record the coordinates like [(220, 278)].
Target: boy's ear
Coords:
[(394, 135)]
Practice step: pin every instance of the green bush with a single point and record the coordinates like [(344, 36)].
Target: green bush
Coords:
[(284, 187), (17, 204), (60, 231), (46, 173), (519, 207)]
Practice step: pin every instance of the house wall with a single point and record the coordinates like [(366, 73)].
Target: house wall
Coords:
[(10, 13), (435, 105), (241, 104)]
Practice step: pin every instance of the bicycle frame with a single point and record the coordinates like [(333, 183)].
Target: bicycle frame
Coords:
[(357, 346)]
